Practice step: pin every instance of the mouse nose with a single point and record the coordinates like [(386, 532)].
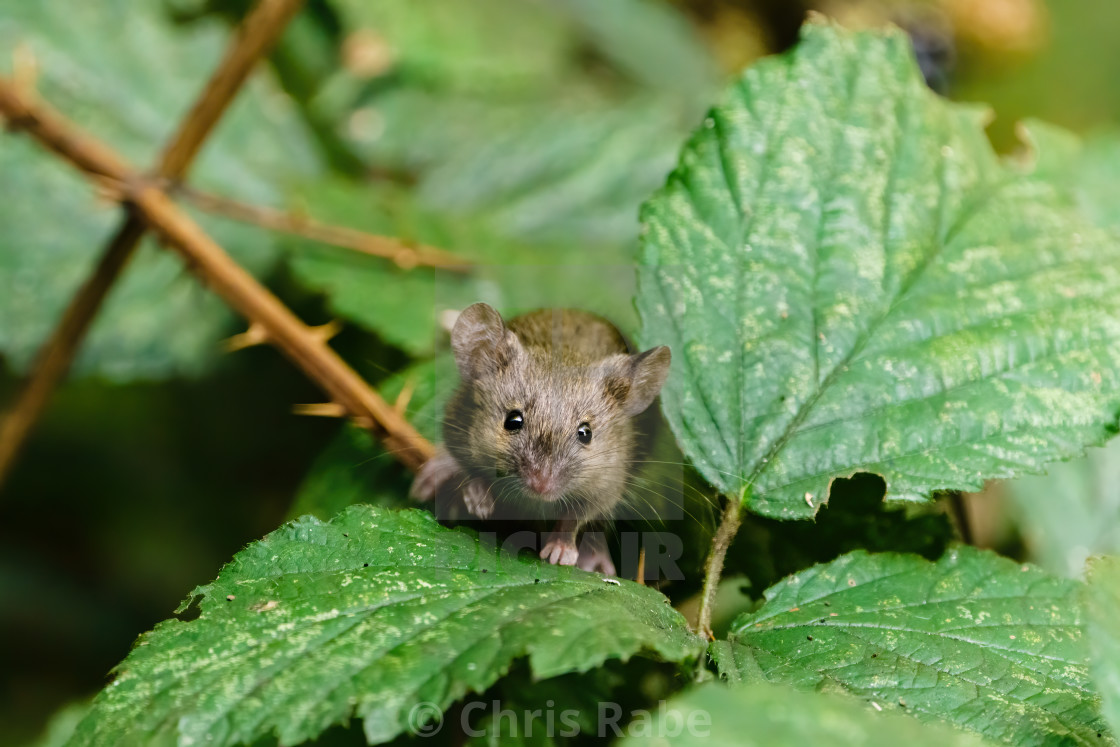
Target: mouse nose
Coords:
[(541, 482)]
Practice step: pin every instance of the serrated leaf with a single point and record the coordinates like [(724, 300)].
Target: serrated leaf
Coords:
[(1102, 603), (158, 321), (851, 280), (766, 715), (974, 639), (368, 615)]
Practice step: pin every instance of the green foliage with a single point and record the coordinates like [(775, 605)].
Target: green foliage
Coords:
[(762, 715), (158, 321), (1102, 602), (407, 307), (1072, 512), (974, 639), (368, 615), (851, 280), (355, 469), (853, 284)]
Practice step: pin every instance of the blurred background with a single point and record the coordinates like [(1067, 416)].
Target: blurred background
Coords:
[(513, 132)]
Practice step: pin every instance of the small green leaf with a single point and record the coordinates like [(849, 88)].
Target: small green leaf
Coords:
[(368, 615), (1072, 512), (974, 639), (1102, 602), (851, 280), (765, 715)]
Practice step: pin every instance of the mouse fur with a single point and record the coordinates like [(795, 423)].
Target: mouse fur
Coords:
[(570, 390)]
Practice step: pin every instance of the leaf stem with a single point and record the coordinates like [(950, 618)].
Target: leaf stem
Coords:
[(713, 567), (253, 39)]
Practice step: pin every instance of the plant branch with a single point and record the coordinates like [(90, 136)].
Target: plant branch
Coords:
[(254, 37), (405, 254), (713, 567), (303, 345)]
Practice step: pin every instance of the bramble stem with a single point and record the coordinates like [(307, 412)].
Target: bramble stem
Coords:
[(725, 534), (255, 36)]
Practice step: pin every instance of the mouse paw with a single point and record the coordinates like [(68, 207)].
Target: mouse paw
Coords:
[(594, 555), (480, 501), (560, 551), (432, 474)]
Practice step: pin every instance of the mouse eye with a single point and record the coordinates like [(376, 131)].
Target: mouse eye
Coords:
[(584, 433), (514, 420)]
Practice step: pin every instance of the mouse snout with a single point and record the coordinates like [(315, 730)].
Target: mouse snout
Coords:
[(543, 482)]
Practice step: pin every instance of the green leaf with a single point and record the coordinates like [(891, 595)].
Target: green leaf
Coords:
[(651, 41), (1102, 603), (851, 280), (766, 715), (158, 321), (404, 306), (487, 44), (856, 518), (1085, 170), (973, 639), (368, 615), (1072, 512)]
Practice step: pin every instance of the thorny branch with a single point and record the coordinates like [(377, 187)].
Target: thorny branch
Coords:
[(253, 39), (238, 288), (405, 254)]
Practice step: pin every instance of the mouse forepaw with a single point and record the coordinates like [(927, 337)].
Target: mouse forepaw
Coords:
[(479, 498), (594, 555), (560, 551), (433, 474)]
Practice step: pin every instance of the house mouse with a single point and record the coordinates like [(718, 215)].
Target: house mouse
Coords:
[(543, 420)]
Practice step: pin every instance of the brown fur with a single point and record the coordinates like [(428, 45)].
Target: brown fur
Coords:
[(560, 368)]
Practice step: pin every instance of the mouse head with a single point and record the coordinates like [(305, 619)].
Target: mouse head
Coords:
[(544, 423)]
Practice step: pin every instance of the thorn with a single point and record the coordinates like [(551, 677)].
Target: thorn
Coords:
[(25, 71), (321, 410), (255, 335), (401, 403), (641, 579), (326, 332)]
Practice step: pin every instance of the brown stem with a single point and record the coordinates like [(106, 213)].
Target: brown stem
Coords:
[(960, 515), (238, 288), (254, 37), (405, 254), (728, 526)]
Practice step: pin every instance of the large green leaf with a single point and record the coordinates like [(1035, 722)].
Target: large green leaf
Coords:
[(974, 639), (851, 280), (368, 615), (1102, 598), (158, 320), (763, 715)]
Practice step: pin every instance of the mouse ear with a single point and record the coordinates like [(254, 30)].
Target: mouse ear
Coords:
[(481, 342), (648, 371)]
